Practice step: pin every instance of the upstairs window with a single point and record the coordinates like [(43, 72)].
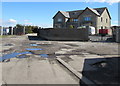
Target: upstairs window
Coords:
[(101, 19), (87, 18), (75, 20), (106, 20), (59, 20)]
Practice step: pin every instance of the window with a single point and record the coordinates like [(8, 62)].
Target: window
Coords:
[(101, 19), (59, 20), (101, 27), (87, 18), (75, 20), (106, 20), (74, 13)]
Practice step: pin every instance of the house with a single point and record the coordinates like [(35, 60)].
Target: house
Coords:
[(97, 17), (6, 30)]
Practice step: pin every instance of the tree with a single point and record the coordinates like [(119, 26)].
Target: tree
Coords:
[(19, 26), (28, 28), (35, 29)]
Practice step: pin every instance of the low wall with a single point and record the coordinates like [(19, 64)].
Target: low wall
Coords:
[(64, 34), (18, 31), (116, 33)]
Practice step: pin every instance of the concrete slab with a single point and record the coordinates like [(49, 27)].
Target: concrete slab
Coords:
[(30, 71), (79, 75)]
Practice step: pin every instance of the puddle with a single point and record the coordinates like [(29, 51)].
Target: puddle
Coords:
[(12, 55), (44, 55), (32, 49), (34, 45)]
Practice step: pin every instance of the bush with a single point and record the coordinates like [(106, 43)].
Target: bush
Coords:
[(71, 26)]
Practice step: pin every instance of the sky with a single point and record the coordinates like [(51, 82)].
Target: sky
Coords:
[(41, 13)]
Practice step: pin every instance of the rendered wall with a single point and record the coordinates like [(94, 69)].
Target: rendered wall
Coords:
[(64, 34)]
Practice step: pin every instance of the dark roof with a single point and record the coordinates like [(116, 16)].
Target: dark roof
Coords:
[(76, 13), (101, 10), (94, 11)]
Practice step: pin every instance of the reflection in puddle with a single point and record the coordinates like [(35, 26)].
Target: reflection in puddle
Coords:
[(33, 49), (34, 45), (44, 55), (12, 55)]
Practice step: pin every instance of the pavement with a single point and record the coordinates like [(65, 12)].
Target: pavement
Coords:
[(84, 58)]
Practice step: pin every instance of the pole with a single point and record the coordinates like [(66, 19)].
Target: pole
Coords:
[(24, 30), (11, 30)]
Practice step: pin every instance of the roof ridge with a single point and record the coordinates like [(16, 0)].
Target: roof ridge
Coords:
[(74, 10), (100, 8), (93, 10)]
